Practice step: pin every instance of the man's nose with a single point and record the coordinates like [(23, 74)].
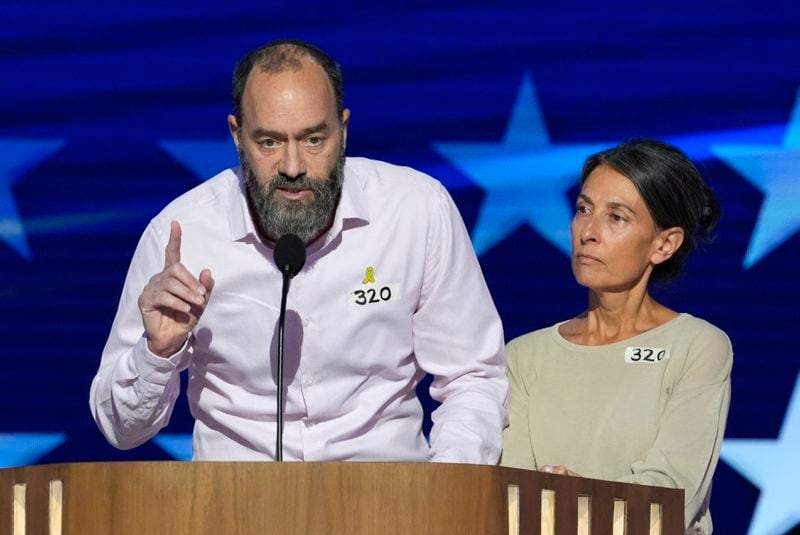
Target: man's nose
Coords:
[(292, 165)]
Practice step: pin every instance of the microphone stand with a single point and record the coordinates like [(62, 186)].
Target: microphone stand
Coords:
[(290, 256), (281, 324)]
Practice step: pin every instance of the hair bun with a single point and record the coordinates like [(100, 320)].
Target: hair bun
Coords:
[(709, 215), (706, 215)]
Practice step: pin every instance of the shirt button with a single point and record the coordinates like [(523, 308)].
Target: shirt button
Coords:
[(306, 322), (308, 380), (310, 425)]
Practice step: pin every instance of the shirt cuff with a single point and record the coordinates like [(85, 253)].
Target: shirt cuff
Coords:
[(154, 369)]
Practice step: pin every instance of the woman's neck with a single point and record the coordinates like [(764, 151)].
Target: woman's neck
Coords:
[(615, 316)]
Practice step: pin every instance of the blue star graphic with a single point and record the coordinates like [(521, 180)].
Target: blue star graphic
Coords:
[(774, 466), (17, 156), (525, 177), (177, 445), (20, 449), (775, 171), (206, 158)]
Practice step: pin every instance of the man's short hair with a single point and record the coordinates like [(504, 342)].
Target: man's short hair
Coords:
[(281, 55)]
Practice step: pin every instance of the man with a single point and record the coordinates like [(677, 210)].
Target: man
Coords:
[(391, 289)]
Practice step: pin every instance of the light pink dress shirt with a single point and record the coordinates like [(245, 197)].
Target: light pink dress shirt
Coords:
[(391, 291)]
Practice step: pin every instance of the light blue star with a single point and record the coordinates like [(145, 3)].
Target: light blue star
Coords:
[(20, 449), (205, 158), (17, 156), (774, 466), (775, 171), (525, 177), (177, 445)]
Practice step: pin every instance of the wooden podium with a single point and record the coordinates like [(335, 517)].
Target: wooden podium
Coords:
[(238, 498)]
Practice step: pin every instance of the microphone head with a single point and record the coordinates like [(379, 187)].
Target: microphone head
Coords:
[(290, 254)]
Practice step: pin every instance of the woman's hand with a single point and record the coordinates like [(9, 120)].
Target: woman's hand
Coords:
[(560, 469)]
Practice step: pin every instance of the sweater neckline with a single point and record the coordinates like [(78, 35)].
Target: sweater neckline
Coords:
[(633, 340)]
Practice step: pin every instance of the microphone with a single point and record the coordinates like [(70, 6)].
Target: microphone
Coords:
[(290, 257)]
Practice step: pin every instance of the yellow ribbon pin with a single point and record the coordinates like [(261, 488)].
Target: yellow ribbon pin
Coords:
[(369, 276)]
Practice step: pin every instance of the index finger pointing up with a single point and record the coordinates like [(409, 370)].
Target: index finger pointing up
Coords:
[(172, 253)]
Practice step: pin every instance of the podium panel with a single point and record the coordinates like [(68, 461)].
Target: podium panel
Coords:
[(352, 498)]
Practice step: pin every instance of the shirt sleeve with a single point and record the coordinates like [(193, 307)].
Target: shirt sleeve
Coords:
[(686, 449), (517, 449), (134, 391), (458, 338)]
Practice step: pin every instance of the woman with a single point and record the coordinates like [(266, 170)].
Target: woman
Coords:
[(629, 390)]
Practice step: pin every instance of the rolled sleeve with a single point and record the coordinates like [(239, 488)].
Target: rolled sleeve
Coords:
[(458, 337)]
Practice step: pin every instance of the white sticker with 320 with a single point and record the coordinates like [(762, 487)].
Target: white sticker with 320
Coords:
[(635, 355), (375, 294)]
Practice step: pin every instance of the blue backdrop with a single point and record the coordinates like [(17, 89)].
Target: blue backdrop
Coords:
[(107, 112)]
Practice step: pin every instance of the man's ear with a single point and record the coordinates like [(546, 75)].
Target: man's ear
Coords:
[(667, 244), (233, 127), (345, 122)]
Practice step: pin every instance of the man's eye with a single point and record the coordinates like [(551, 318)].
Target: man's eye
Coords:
[(616, 218), (268, 143), (582, 209), (314, 141)]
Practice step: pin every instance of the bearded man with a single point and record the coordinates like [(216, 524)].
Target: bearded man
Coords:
[(391, 290)]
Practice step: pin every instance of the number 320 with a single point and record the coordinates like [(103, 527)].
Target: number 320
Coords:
[(372, 295), (647, 355)]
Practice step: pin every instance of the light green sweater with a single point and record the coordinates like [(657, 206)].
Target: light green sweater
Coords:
[(619, 412)]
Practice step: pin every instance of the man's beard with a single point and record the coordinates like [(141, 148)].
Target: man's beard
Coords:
[(276, 216)]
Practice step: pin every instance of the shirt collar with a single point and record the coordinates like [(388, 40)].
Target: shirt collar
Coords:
[(240, 222)]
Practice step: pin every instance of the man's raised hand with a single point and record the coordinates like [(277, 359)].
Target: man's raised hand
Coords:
[(173, 300)]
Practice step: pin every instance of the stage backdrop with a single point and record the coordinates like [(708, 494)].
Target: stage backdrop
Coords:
[(109, 111)]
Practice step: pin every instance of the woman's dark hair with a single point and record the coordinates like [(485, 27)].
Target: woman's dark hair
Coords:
[(282, 55), (672, 189)]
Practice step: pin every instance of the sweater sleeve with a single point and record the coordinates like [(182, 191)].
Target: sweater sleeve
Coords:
[(687, 446), (517, 449)]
